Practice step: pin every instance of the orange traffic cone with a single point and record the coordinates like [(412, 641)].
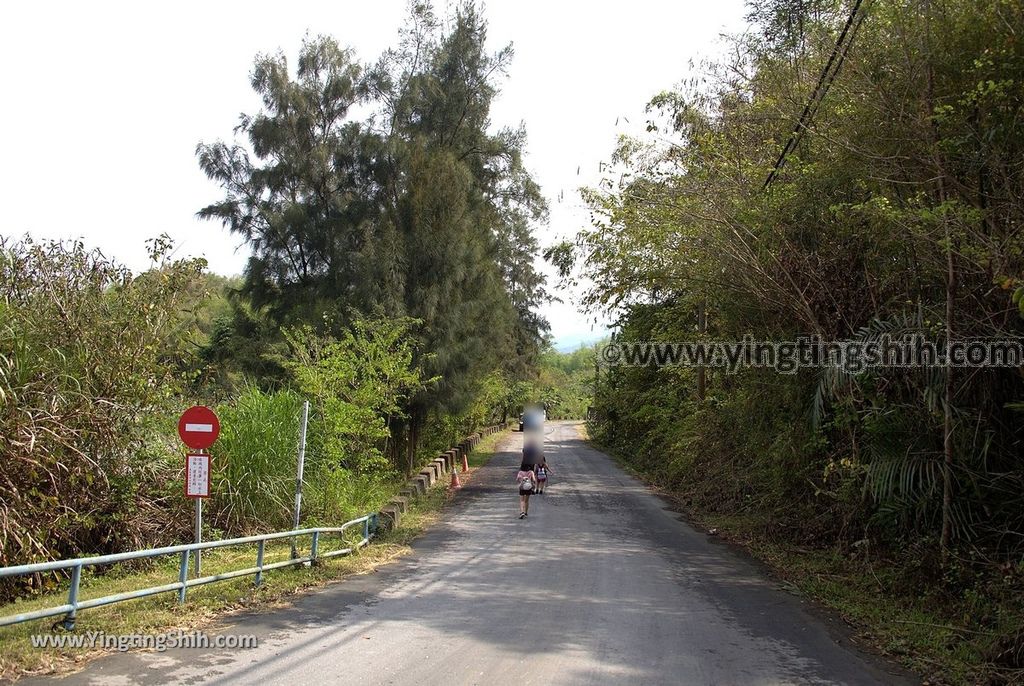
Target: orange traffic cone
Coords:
[(456, 484), (465, 461)]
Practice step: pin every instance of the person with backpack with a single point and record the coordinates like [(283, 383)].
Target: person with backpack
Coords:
[(527, 480), (542, 470)]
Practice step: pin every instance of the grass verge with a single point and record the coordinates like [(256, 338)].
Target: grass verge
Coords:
[(899, 626), (206, 604)]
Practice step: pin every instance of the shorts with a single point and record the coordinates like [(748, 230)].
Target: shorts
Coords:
[(529, 492)]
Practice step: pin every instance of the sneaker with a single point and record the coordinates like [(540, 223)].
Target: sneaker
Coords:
[(522, 515)]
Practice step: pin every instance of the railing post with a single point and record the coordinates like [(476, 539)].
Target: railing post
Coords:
[(259, 562), (183, 577), (76, 578), (185, 553)]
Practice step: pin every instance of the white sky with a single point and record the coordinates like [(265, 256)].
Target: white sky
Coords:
[(104, 103)]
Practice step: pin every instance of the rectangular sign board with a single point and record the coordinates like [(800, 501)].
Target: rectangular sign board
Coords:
[(197, 475)]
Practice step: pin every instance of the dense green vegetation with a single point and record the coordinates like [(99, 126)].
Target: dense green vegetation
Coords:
[(899, 210), (391, 285), (565, 382)]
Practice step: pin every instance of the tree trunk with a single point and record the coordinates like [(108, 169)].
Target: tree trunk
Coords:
[(415, 422), (947, 415), (702, 325), (410, 451), (951, 283)]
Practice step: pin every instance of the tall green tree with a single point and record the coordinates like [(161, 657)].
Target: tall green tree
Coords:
[(420, 210), (465, 205), (303, 193)]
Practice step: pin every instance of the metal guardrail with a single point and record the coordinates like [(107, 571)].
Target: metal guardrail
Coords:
[(185, 551)]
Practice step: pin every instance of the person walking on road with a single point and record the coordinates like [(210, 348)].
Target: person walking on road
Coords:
[(527, 480), (531, 453), (542, 470)]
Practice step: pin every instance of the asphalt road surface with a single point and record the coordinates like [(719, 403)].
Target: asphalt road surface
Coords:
[(602, 584)]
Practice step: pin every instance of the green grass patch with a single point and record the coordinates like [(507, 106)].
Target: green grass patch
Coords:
[(207, 603), (485, 450)]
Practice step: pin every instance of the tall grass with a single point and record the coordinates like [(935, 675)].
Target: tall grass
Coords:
[(333, 494), (254, 461)]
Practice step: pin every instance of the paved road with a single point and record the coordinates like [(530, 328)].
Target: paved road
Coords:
[(602, 584)]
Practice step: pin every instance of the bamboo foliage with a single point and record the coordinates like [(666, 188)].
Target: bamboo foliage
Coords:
[(899, 211)]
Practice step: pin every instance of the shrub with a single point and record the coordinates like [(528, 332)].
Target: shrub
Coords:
[(88, 359)]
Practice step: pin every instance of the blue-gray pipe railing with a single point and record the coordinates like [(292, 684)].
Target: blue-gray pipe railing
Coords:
[(185, 551)]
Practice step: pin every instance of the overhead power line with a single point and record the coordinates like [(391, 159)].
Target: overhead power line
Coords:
[(828, 75)]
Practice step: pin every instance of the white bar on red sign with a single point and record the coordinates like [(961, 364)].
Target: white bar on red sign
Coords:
[(200, 428)]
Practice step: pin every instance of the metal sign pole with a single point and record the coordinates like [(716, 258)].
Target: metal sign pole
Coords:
[(298, 477), (199, 533)]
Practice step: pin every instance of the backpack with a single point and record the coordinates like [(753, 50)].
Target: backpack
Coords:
[(527, 483)]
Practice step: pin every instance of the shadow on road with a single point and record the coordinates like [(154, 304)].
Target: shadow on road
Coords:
[(600, 584)]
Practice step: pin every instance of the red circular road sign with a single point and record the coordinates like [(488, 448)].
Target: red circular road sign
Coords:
[(198, 427)]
